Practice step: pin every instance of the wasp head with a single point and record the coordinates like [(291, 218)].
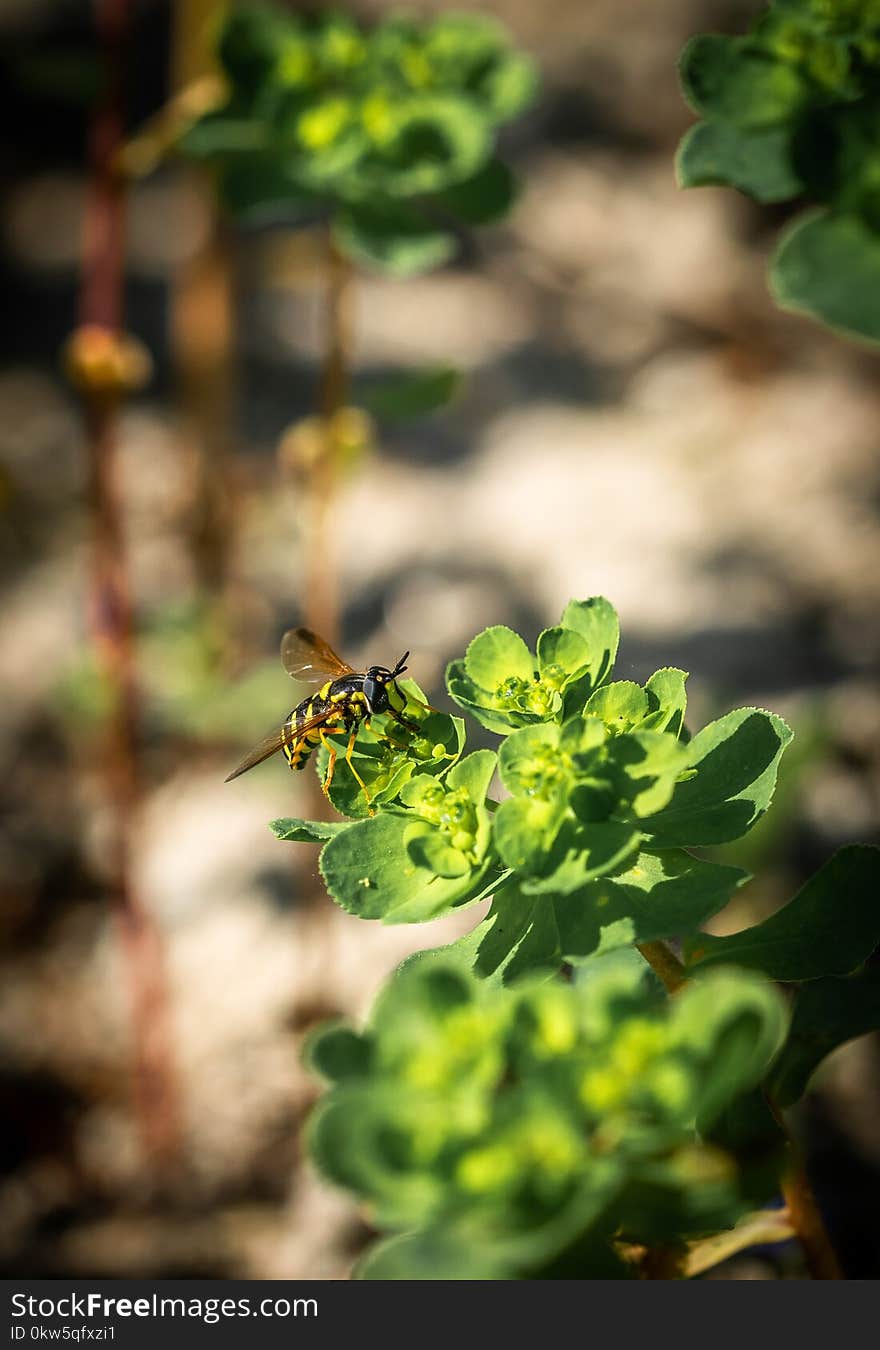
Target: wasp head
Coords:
[(376, 682)]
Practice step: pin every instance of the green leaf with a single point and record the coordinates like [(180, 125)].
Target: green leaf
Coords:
[(827, 265), (736, 1024), (483, 199), (830, 927), (402, 867), (582, 853), (664, 894), (736, 760), (337, 1052), (596, 621), (473, 53), (469, 696), (827, 1013), (515, 921), (524, 830), (430, 850), (510, 86), (474, 773), (414, 394), (361, 1136), (667, 701), (505, 687), (370, 872), (620, 705), (562, 655), (758, 162), (537, 923), (391, 238), (525, 752), (428, 142), (495, 655), (385, 774), (730, 80), (648, 764), (498, 683), (307, 831), (432, 1254)]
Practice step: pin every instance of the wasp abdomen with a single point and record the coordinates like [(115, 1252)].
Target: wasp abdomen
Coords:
[(297, 748), (298, 745)]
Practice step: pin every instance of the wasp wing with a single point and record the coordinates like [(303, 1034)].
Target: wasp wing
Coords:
[(308, 658), (285, 735), (267, 746)]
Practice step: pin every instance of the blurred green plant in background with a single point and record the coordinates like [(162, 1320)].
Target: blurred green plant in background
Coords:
[(389, 131), (508, 1132), (790, 112)]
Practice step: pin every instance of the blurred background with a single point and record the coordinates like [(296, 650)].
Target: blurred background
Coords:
[(637, 420)]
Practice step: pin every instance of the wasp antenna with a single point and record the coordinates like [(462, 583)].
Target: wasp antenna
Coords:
[(401, 665)]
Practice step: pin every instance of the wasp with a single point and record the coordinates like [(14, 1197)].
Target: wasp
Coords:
[(346, 700)]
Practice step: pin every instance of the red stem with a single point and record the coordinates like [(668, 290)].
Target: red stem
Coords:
[(101, 308)]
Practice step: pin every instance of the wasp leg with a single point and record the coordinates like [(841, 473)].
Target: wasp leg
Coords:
[(331, 763), (410, 726), (355, 774), (429, 707)]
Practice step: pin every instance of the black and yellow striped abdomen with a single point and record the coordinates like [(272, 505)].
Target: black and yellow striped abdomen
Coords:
[(338, 703)]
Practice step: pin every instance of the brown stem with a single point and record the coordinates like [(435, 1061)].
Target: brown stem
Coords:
[(665, 965), (201, 339), (201, 335), (322, 594), (807, 1222), (662, 1263), (803, 1211), (101, 309)]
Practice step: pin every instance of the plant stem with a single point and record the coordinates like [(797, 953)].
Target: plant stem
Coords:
[(662, 1263), (322, 593), (803, 1212), (807, 1222), (201, 335), (763, 1227), (665, 965), (101, 307)]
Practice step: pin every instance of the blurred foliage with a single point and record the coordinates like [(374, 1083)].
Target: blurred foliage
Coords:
[(792, 111), (185, 687), (413, 394), (504, 1128), (388, 132)]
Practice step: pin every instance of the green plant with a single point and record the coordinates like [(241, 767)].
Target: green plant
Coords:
[(526, 1101), (388, 133), (791, 111), (384, 140)]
